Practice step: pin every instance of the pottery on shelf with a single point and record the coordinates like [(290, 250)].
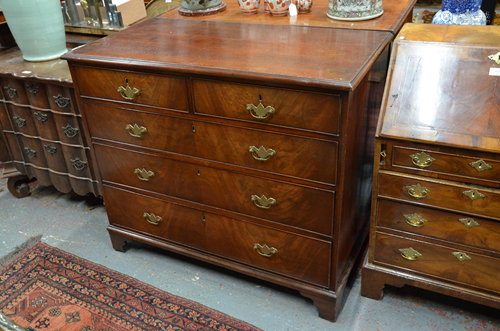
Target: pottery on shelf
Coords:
[(460, 12), (354, 10), (303, 6), (266, 7), (249, 7), (279, 7)]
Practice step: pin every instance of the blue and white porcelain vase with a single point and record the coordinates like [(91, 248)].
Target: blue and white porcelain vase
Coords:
[(37, 27), (460, 12)]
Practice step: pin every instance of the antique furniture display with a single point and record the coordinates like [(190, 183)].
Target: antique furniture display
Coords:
[(436, 198), (41, 125), (243, 145)]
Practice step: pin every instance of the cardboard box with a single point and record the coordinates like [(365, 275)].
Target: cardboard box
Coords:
[(132, 10)]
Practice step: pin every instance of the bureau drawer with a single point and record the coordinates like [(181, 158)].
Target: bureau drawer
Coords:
[(22, 119), (152, 90), (456, 228), (298, 109), (280, 202), (440, 193), (295, 256), (271, 152), (449, 164), (468, 269)]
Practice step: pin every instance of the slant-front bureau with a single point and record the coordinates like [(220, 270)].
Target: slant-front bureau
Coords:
[(237, 144), (436, 198)]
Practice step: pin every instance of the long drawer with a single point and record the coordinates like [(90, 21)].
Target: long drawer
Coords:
[(293, 205), (297, 109), (440, 193), (281, 252), (465, 268), (456, 228), (271, 152)]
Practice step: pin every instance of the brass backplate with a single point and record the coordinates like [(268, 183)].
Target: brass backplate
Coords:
[(260, 112), (136, 131), (144, 174), (480, 165), (422, 159), (261, 153), (418, 191), (152, 218), (473, 194), (415, 220), (469, 222), (410, 254), (461, 256), (265, 250), (263, 202)]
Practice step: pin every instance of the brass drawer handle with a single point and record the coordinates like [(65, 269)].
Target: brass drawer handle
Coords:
[(461, 256), (473, 194), (61, 101), (128, 93), (480, 165), (50, 149), (136, 131), (418, 191), (260, 112), (261, 153), (469, 222), (30, 152), (69, 131), (144, 174), (21, 122), (41, 116), (263, 202), (151, 218), (410, 254), (265, 250), (78, 164), (32, 88), (415, 220), (422, 159), (12, 92)]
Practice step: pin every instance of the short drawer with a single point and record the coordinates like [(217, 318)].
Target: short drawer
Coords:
[(293, 205), (270, 152), (439, 193), (448, 264), (22, 119), (277, 251), (449, 164), (456, 228), (297, 109), (14, 90), (140, 88)]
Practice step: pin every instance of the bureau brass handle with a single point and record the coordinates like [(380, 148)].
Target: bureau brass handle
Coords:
[(480, 165), (12, 92), (265, 250), (32, 88), (422, 159), (136, 131), (418, 191), (61, 101), (469, 222), (263, 202), (473, 194), (461, 256), (30, 152), (128, 93), (21, 122), (410, 254), (144, 174), (415, 220), (41, 116), (260, 112), (151, 218), (78, 164), (69, 131), (261, 153)]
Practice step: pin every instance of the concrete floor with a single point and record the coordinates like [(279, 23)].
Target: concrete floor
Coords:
[(73, 224)]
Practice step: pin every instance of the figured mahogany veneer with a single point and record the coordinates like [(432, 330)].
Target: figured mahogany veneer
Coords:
[(439, 130)]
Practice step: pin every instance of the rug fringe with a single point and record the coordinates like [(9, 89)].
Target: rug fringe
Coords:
[(19, 250)]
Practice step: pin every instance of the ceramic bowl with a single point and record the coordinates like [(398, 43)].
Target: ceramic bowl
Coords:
[(279, 7), (249, 7)]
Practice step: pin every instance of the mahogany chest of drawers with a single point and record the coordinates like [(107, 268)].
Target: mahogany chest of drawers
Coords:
[(435, 220), (41, 126), (237, 144)]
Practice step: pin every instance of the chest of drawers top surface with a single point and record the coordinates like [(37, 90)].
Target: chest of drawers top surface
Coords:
[(316, 57), (441, 89)]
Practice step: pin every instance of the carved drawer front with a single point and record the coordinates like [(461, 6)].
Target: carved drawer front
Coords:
[(457, 228), (436, 162), (76, 161), (293, 205), (270, 152), (62, 99), (13, 90), (445, 194), (45, 124), (55, 157), (280, 107), (37, 94), (69, 129), (465, 268), (277, 251), (146, 89), (22, 119), (32, 151)]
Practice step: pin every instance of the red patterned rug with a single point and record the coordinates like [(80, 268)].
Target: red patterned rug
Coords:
[(51, 290)]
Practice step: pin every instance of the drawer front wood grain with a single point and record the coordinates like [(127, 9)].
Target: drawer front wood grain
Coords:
[(470, 199), (453, 227), (22, 119), (449, 164), (13, 90), (297, 109), (294, 205), (479, 271), (296, 256), (293, 154), (37, 94), (154, 90)]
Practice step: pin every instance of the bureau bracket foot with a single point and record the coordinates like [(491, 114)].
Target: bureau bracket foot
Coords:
[(328, 306), (118, 241), (18, 186)]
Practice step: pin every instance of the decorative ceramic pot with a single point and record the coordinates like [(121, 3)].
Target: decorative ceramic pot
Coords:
[(304, 6), (354, 10), (460, 12), (37, 27), (249, 7), (266, 7), (279, 7)]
